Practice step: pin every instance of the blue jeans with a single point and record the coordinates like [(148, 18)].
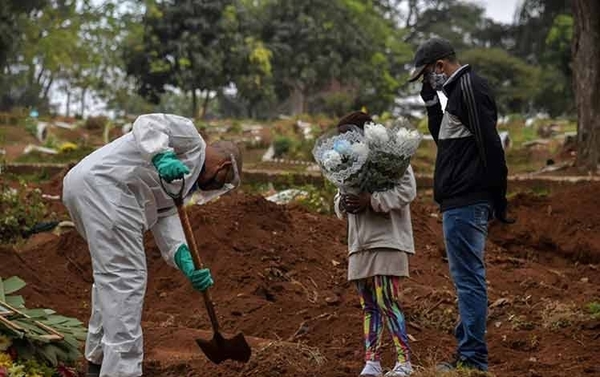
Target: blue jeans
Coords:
[(465, 231)]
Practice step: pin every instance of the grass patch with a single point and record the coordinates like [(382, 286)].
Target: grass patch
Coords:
[(557, 315), (432, 313), (520, 322), (65, 157), (39, 176), (594, 309)]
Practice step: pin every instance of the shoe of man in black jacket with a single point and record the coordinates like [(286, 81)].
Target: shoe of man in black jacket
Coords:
[(469, 182)]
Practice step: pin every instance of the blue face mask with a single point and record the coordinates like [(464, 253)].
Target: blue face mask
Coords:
[(437, 80)]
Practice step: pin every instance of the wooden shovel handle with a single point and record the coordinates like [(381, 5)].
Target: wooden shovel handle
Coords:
[(191, 241)]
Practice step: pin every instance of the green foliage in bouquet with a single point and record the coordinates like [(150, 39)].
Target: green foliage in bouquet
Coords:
[(382, 171), (31, 337)]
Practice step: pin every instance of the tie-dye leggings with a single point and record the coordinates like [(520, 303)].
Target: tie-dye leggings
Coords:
[(379, 301)]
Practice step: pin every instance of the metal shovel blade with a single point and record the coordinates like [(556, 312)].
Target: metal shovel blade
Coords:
[(219, 349)]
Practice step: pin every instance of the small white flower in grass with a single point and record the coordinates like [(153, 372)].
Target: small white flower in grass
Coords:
[(376, 133), (331, 160), (360, 150)]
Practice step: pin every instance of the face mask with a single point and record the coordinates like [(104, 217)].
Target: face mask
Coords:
[(204, 196), (437, 80)]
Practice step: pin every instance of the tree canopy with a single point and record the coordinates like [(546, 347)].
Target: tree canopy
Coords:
[(259, 58)]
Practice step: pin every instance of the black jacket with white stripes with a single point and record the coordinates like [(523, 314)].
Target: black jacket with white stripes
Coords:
[(470, 165)]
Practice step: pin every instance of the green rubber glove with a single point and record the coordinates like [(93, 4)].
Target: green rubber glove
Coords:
[(201, 279), (169, 166)]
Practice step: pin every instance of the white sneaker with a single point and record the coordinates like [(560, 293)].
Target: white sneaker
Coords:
[(400, 370), (372, 369)]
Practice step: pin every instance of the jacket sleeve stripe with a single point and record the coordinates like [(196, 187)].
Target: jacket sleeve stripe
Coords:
[(469, 98)]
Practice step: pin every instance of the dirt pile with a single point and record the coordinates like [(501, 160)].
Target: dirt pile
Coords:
[(564, 224), (280, 275)]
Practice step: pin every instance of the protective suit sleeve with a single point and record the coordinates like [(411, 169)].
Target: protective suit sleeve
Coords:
[(159, 133), (398, 197), (168, 235), (337, 206)]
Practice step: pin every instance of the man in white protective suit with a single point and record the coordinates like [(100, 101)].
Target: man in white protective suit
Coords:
[(113, 196)]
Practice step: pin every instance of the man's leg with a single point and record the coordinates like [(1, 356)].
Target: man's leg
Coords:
[(93, 343), (111, 220), (74, 189), (120, 277), (465, 231)]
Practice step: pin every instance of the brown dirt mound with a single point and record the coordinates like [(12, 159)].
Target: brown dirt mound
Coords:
[(281, 275), (565, 224)]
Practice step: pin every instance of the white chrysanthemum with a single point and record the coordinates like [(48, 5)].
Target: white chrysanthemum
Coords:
[(406, 134), (331, 160), (376, 133), (360, 150), (403, 134), (414, 134)]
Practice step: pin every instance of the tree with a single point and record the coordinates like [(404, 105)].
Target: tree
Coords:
[(12, 13), (461, 22), (535, 19), (514, 82), (188, 44), (69, 43), (255, 80), (586, 54), (555, 93), (346, 45), (34, 63)]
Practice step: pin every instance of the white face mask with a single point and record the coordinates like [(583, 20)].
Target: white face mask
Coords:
[(204, 196)]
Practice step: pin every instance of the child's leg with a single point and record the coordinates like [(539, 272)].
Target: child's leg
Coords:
[(388, 289), (373, 320)]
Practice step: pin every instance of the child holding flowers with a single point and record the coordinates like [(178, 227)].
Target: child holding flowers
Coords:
[(380, 239)]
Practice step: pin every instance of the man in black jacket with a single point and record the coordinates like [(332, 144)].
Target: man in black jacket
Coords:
[(469, 184)]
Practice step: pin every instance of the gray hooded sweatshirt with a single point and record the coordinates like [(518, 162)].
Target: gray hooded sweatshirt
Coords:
[(385, 227)]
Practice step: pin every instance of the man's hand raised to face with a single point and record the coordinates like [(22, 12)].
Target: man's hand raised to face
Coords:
[(355, 204), (427, 91)]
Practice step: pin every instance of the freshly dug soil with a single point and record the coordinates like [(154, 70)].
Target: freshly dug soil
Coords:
[(280, 276), (565, 224)]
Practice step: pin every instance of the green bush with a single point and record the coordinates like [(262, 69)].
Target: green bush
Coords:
[(282, 145), (302, 150), (236, 127), (337, 104), (96, 123), (31, 126), (20, 209)]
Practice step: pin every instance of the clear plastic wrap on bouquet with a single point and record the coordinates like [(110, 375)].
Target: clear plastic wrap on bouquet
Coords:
[(342, 158), (371, 160), (390, 151)]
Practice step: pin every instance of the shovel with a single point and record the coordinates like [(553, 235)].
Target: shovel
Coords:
[(218, 349)]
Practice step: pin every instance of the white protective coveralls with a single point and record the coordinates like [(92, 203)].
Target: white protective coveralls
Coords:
[(113, 196)]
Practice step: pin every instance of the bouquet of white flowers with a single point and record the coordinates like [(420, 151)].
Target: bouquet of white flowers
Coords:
[(371, 160)]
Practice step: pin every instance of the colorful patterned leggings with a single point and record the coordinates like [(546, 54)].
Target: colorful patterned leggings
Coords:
[(379, 301)]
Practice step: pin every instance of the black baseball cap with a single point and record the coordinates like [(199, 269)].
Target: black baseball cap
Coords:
[(427, 53)]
